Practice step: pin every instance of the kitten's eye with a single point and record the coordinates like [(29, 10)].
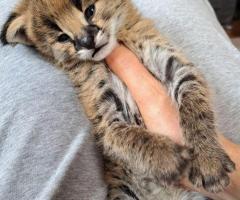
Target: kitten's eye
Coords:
[(63, 38), (89, 12)]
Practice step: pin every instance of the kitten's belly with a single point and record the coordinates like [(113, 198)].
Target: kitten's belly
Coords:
[(131, 110), (145, 185)]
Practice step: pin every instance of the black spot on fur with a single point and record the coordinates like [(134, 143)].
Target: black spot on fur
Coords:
[(128, 191), (149, 37), (78, 86), (129, 26), (5, 27), (168, 178), (137, 120), (98, 119), (106, 16), (190, 64), (101, 83), (78, 4), (128, 110), (201, 136), (89, 75), (118, 6), (116, 177), (126, 115), (206, 116), (194, 172), (171, 49), (97, 138), (145, 140), (51, 24), (187, 78), (114, 120), (209, 181), (109, 95), (169, 69)]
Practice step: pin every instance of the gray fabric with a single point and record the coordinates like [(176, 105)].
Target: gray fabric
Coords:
[(46, 151)]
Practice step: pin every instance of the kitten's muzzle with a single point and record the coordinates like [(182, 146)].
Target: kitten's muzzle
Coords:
[(88, 40)]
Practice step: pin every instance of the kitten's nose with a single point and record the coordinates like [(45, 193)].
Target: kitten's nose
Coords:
[(92, 30), (88, 40), (85, 42)]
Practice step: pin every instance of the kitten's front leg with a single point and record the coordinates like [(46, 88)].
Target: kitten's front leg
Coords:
[(118, 138), (188, 90), (211, 167), (145, 152)]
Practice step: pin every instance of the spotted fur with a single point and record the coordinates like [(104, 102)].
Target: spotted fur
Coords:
[(138, 164)]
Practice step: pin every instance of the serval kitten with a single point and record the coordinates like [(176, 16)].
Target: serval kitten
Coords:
[(77, 35)]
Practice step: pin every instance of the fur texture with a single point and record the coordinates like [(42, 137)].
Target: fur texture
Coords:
[(76, 36)]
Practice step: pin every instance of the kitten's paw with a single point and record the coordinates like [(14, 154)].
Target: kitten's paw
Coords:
[(174, 164), (211, 171)]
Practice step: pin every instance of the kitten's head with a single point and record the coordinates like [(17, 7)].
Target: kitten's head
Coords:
[(66, 29)]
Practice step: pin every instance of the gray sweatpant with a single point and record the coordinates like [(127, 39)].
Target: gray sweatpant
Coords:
[(46, 151)]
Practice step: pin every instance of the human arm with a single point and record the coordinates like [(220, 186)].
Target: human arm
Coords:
[(159, 112)]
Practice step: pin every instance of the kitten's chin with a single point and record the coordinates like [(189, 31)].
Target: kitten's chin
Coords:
[(105, 51)]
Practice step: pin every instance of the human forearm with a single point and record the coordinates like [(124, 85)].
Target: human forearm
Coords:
[(159, 114), (144, 87)]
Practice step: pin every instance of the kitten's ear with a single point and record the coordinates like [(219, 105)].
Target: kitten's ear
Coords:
[(14, 30)]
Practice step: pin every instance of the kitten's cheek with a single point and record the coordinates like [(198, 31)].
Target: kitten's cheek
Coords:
[(62, 52), (101, 38), (105, 51), (85, 54), (58, 55)]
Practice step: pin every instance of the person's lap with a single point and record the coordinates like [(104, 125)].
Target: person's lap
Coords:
[(46, 151)]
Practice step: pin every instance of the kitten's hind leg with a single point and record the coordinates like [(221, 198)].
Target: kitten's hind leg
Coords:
[(121, 192), (119, 180), (126, 184)]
